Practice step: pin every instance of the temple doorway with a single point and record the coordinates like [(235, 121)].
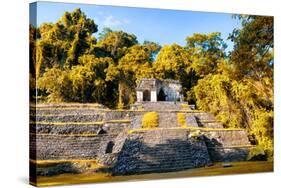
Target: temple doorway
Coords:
[(146, 95), (161, 95)]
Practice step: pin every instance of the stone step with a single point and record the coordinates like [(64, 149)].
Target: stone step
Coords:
[(158, 159), (166, 120), (227, 138), (62, 111), (161, 106), (69, 118), (68, 105), (210, 124), (204, 116), (99, 129), (167, 148), (151, 156), (162, 165), (167, 162), (161, 157)]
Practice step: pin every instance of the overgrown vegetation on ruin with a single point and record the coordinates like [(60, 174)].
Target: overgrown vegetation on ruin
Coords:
[(181, 119), (150, 120), (71, 65)]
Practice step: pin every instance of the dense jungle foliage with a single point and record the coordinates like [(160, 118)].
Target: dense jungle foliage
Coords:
[(69, 64)]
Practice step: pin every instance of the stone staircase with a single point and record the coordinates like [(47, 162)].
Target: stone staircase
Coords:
[(167, 120), (160, 151), (207, 120), (160, 106), (60, 136)]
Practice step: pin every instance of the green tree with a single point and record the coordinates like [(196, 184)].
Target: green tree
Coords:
[(173, 62), (253, 47), (115, 43), (206, 52), (80, 83), (240, 92), (134, 65), (63, 42)]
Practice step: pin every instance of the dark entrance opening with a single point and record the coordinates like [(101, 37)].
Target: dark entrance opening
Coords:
[(101, 131), (161, 95), (109, 147), (146, 95)]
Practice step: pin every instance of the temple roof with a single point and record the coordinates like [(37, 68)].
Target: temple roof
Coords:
[(151, 83), (147, 84)]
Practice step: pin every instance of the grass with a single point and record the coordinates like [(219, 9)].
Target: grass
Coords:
[(150, 120), (216, 169)]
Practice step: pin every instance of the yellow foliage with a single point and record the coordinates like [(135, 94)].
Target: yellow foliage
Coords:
[(150, 120), (255, 151), (185, 106), (242, 103), (195, 134), (181, 119)]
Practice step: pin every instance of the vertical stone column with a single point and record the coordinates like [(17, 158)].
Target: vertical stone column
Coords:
[(153, 96), (139, 96)]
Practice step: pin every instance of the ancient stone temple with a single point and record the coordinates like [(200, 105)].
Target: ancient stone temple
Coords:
[(117, 140), (158, 90)]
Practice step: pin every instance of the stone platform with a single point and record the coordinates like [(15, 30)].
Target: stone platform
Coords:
[(115, 138)]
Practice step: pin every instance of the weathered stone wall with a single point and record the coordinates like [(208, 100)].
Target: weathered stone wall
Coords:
[(206, 120), (226, 138), (92, 117), (160, 151), (72, 141), (191, 120), (203, 116), (121, 115), (229, 154), (227, 145), (47, 147), (136, 122), (65, 129), (62, 147), (108, 128), (72, 111), (171, 89)]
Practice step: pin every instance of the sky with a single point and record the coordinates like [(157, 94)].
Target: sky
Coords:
[(157, 25)]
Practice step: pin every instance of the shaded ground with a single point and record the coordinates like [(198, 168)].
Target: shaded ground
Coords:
[(217, 169)]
